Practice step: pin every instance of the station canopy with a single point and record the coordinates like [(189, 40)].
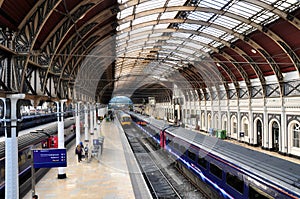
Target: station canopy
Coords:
[(221, 49)]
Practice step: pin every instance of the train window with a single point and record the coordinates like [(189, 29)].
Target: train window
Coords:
[(191, 155), (215, 170), (235, 182), (169, 142), (257, 194), (202, 162), (182, 149), (176, 146)]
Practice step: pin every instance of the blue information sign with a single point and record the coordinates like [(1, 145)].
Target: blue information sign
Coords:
[(48, 158)]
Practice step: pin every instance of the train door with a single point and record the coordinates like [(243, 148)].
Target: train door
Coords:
[(259, 132), (275, 136), (162, 139)]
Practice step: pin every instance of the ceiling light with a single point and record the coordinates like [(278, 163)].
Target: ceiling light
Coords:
[(253, 51)]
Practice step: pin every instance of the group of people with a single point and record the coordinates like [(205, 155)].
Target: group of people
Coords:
[(79, 151)]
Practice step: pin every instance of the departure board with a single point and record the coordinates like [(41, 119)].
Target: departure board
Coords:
[(48, 158)]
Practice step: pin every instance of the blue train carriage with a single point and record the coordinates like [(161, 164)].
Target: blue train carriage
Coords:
[(152, 127), (230, 179), (26, 142)]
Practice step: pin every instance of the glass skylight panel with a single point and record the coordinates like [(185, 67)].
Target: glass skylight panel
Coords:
[(226, 22), (227, 37), (168, 15), (144, 19), (216, 44), (181, 35), (142, 29), (176, 2), (123, 26), (202, 39), (194, 45), (174, 41), (204, 16), (121, 35), (149, 5), (158, 34), (172, 47), (213, 31), (161, 26), (244, 9), (125, 13), (213, 4), (263, 17), (243, 28), (179, 55), (187, 50), (189, 26)]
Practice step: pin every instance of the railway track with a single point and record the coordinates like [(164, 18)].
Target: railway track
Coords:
[(157, 181)]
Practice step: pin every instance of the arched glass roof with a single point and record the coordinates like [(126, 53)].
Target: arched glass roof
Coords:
[(156, 37)]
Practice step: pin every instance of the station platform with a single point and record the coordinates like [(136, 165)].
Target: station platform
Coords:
[(112, 176)]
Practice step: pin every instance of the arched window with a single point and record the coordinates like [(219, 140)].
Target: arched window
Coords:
[(245, 125), (209, 121), (203, 121), (233, 124), (224, 123), (296, 135), (216, 121)]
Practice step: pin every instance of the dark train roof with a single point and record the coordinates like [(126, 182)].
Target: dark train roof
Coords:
[(140, 48), (34, 137)]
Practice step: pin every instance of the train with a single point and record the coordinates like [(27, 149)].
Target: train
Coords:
[(125, 119), (223, 169), (28, 121), (44, 138)]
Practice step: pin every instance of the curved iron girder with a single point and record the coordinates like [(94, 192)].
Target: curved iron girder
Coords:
[(292, 20), (85, 52), (77, 48), (26, 37), (200, 86), (69, 49), (59, 34)]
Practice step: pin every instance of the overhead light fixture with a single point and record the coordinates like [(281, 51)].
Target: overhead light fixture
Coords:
[(218, 64), (253, 51)]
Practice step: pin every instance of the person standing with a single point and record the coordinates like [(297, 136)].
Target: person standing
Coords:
[(78, 152), (86, 152)]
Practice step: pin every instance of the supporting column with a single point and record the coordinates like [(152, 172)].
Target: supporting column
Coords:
[(229, 133), (251, 124), (91, 119), (238, 120), (283, 138), (11, 146), (86, 124), (77, 122), (265, 128), (95, 117), (60, 135)]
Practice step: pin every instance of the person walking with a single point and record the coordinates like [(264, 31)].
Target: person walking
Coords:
[(78, 152)]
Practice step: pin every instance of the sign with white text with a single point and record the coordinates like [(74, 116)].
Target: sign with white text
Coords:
[(48, 158)]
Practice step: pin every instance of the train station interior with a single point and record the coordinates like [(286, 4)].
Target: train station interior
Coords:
[(227, 69)]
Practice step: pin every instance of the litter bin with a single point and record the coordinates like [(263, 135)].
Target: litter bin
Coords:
[(221, 134)]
